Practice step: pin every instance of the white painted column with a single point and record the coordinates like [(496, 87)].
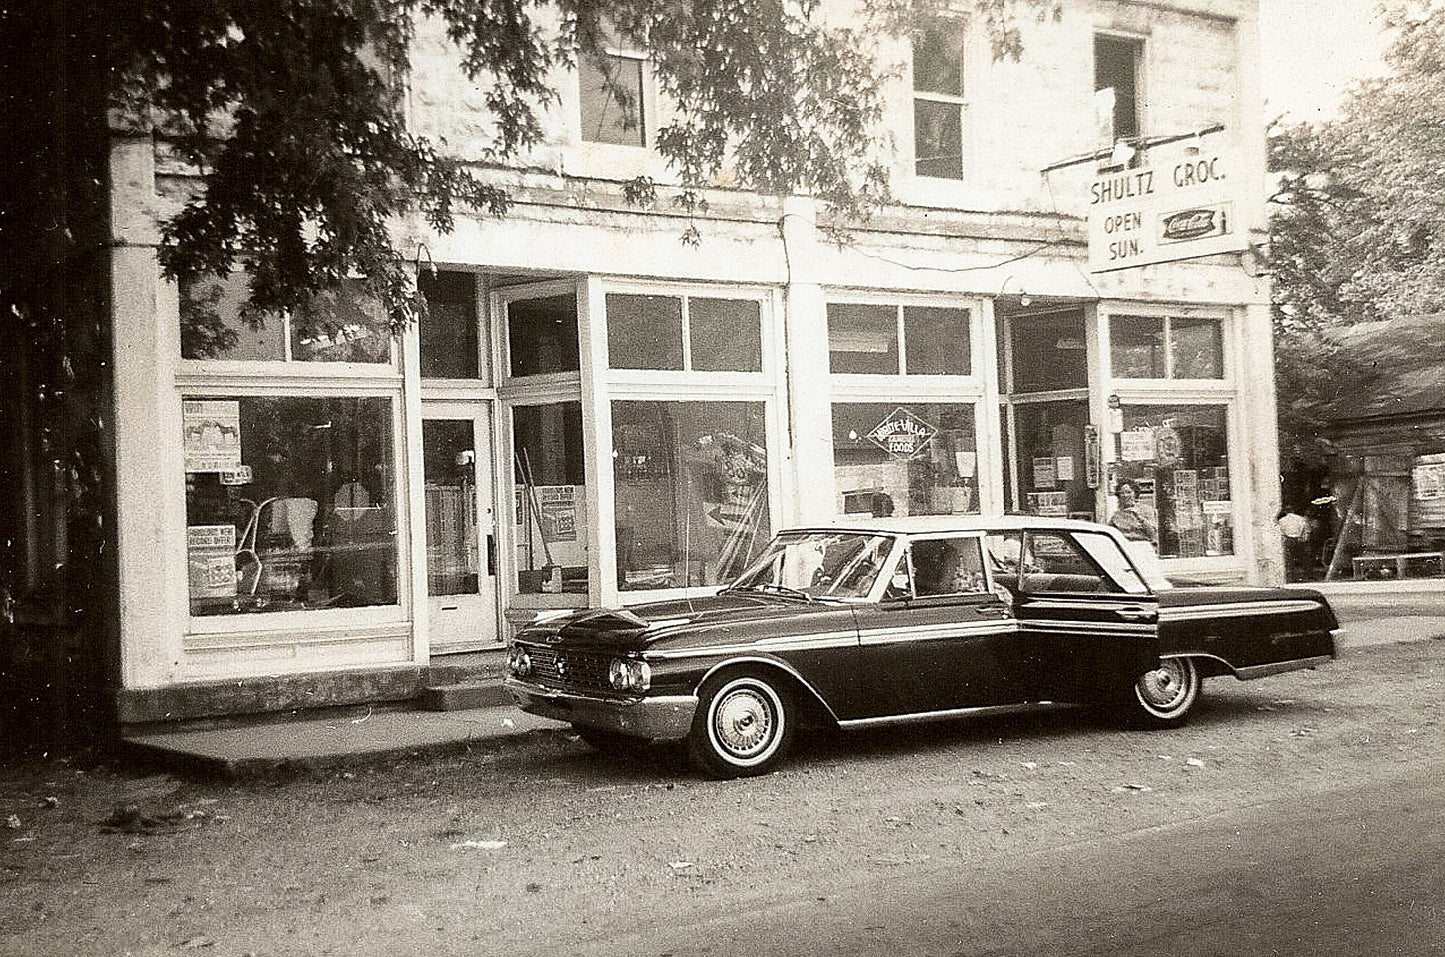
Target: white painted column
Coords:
[(148, 487), (810, 414), (1259, 428)]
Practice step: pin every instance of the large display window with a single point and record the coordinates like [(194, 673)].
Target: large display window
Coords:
[(913, 458), (1166, 347), (1172, 480), (691, 490), (549, 475), (290, 503), (677, 333), (864, 339)]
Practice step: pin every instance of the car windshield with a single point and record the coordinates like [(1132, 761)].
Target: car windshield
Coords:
[(818, 565)]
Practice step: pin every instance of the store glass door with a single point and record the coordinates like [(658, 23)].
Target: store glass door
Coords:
[(460, 527), (1055, 459)]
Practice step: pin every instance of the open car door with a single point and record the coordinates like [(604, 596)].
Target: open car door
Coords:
[(1088, 619)]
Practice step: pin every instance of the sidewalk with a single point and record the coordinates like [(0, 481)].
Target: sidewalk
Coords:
[(333, 741), (369, 736)]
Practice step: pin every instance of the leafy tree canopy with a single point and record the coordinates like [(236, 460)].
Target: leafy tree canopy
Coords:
[(1358, 222), (292, 111)]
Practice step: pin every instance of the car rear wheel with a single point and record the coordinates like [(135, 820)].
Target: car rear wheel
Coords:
[(1164, 696), (744, 726)]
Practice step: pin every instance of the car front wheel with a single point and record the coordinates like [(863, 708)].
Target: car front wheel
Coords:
[(1164, 696), (743, 727)]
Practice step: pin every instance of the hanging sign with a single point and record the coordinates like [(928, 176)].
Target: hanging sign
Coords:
[(902, 434), (1174, 211)]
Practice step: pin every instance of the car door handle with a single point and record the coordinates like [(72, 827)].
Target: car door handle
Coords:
[(1135, 613)]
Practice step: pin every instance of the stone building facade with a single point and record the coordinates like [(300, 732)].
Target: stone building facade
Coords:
[(595, 413)]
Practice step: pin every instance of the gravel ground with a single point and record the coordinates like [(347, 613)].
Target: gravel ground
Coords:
[(540, 845)]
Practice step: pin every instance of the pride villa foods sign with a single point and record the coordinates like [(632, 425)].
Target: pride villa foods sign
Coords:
[(1154, 215)]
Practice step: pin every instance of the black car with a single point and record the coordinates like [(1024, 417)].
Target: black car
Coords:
[(902, 619)]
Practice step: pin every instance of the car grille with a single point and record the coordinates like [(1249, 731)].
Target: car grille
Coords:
[(570, 670)]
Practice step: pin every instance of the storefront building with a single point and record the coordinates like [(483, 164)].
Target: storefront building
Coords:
[(594, 413)]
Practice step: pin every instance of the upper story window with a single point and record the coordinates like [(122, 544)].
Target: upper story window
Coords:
[(938, 104), (610, 97), (1116, 69), (864, 338), (343, 325), (676, 333), (1166, 347)]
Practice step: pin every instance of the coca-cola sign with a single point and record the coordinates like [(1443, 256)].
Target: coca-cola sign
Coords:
[(1192, 224)]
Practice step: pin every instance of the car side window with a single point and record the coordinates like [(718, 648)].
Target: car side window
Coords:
[(1006, 557), (947, 566), (1055, 563), (1106, 551)]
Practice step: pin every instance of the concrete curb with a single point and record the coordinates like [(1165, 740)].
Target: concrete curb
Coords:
[(311, 745)]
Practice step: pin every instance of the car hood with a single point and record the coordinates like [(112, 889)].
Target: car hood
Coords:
[(636, 627)]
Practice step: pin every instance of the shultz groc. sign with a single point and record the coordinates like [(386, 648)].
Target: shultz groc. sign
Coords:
[(1153, 215)]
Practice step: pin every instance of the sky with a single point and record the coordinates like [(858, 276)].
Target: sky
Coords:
[(1312, 49)]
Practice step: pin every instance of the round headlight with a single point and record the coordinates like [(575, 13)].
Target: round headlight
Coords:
[(625, 674), (520, 663), (619, 675)]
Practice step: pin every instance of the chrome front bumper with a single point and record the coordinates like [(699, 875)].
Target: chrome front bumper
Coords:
[(661, 718)]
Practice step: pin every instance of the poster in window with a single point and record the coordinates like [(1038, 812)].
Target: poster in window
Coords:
[(211, 560), (558, 507), (1044, 475), (1429, 478), (902, 434), (1137, 445), (212, 429)]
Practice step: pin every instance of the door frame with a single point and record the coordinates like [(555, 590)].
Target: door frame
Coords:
[(481, 412)]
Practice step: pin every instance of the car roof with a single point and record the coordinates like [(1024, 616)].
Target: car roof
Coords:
[(935, 524)]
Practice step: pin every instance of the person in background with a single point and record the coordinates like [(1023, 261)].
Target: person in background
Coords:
[(1295, 529), (1135, 519)]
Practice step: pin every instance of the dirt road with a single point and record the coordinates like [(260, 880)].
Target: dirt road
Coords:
[(545, 847)]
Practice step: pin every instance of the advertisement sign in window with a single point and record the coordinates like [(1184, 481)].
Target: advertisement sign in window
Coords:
[(212, 434)]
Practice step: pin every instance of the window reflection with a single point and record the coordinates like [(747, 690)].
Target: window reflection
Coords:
[(610, 91), (340, 325), (691, 482)]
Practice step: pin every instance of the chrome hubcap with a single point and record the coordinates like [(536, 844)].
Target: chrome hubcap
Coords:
[(743, 722), (1165, 687)]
